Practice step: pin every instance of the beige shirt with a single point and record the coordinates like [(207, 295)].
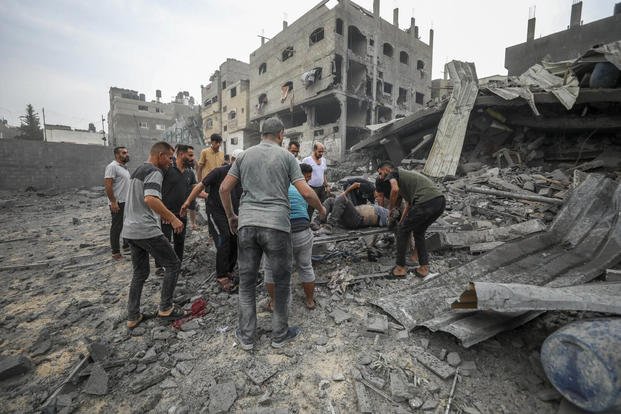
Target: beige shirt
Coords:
[(210, 160)]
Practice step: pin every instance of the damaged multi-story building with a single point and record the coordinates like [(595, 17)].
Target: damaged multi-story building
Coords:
[(225, 103), (564, 45), (134, 122), (334, 71)]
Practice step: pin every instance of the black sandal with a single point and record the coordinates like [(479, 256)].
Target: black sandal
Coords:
[(391, 275)]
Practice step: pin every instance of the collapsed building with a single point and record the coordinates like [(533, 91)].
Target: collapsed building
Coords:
[(334, 71)]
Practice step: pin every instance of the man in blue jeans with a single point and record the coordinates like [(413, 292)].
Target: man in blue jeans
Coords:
[(265, 172), (141, 227)]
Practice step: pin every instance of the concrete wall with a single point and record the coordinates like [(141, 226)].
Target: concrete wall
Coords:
[(75, 137), (565, 45), (44, 165)]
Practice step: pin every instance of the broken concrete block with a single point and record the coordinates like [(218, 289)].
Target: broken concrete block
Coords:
[(11, 366), (97, 383), (613, 275), (261, 372), (377, 323), (100, 351), (149, 378), (365, 360), (340, 316), (168, 384), (429, 405), (185, 367), (149, 356), (440, 368), (402, 334), (467, 368), (222, 397), (399, 387), (453, 359), (365, 405), (442, 354), (415, 403)]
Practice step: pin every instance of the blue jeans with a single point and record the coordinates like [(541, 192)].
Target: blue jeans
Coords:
[(253, 242), (159, 247)]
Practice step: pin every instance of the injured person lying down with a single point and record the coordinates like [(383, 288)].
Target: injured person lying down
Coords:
[(342, 212)]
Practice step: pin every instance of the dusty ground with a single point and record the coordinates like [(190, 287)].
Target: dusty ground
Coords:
[(74, 293)]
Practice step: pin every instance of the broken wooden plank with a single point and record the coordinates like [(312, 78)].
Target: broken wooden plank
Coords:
[(514, 195), (515, 297), (447, 146), (435, 365)]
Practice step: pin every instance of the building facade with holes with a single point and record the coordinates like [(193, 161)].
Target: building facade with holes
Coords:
[(336, 70)]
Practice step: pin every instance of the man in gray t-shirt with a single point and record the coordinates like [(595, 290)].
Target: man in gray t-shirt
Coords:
[(116, 185), (141, 228), (265, 172)]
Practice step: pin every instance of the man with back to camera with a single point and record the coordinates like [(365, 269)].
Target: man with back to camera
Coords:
[(265, 172), (116, 184), (141, 227)]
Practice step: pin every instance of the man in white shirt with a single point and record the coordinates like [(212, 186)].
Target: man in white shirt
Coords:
[(116, 184), (318, 181)]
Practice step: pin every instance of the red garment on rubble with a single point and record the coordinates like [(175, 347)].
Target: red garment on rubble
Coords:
[(197, 310)]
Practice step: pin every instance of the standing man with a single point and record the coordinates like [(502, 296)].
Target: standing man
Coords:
[(225, 241), (116, 184), (210, 157), (319, 180), (265, 172), (177, 184), (424, 203), (142, 229)]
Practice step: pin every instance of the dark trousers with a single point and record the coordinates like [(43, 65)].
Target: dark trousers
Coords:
[(341, 211), (178, 239), (225, 242), (321, 193), (159, 247), (253, 242), (116, 228), (418, 219)]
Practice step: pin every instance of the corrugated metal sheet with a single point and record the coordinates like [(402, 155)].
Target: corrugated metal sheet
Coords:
[(446, 150), (583, 241)]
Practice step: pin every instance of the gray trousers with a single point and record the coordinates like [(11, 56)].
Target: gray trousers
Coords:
[(252, 243), (159, 247), (341, 211), (302, 242)]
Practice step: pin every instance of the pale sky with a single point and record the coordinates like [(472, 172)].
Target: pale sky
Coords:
[(64, 55)]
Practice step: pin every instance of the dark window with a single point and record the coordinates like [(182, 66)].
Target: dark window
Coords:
[(214, 99), (388, 49), (262, 99), (287, 53), (371, 42), (420, 65), (224, 128), (234, 141), (159, 110), (388, 88), (262, 68), (420, 98), (233, 92), (380, 74), (403, 96), (316, 36), (232, 115), (143, 108), (339, 26), (209, 123), (404, 57)]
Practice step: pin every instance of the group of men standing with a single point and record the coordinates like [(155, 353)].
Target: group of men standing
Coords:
[(259, 207)]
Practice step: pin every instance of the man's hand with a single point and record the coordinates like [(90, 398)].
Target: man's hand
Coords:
[(233, 222), (355, 186), (323, 213), (177, 225), (114, 207), (184, 209)]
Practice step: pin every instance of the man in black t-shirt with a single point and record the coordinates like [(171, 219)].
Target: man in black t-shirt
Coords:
[(362, 194), (226, 243), (176, 186)]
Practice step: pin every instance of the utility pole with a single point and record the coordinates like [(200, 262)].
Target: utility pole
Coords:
[(103, 130), (44, 132)]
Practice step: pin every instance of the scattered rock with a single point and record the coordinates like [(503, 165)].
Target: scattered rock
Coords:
[(99, 351), (467, 368), (322, 340), (184, 367), (404, 334), (149, 356), (266, 399), (12, 366), (442, 354), (365, 360), (377, 323), (399, 387), (97, 383), (75, 221), (192, 325), (453, 359), (222, 397), (149, 378), (261, 372), (340, 316), (430, 405), (440, 368), (415, 402), (424, 343), (161, 333), (168, 383)]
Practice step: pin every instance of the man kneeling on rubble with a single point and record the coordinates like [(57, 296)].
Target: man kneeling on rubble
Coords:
[(424, 203), (342, 211), (141, 227)]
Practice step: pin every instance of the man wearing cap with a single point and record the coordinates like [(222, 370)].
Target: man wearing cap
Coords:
[(225, 241), (263, 227)]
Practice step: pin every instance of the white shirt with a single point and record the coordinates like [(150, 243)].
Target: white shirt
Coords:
[(318, 171), (120, 180)]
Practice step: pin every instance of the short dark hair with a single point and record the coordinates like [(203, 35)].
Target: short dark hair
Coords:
[(161, 146), (292, 143), (215, 137), (386, 164), (118, 149), (184, 147), (227, 157), (306, 168)]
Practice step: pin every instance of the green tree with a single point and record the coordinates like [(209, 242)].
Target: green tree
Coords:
[(30, 127)]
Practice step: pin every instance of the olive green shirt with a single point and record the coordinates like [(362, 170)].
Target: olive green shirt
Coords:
[(416, 188)]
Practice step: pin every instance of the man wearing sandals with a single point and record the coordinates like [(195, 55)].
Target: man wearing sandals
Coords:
[(141, 227), (424, 203), (265, 172), (225, 242)]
